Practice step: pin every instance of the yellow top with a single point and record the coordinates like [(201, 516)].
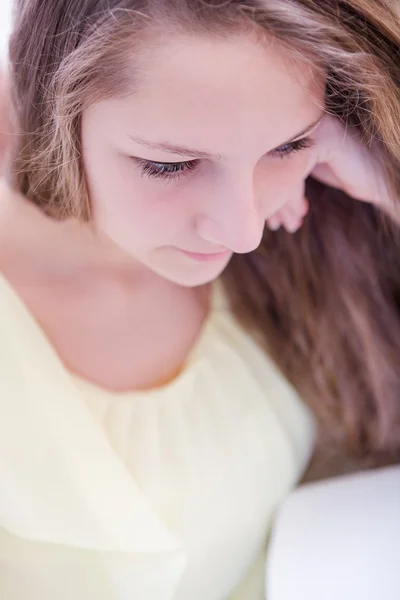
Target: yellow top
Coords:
[(159, 495)]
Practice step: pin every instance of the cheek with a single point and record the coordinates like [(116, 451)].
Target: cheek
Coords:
[(129, 206)]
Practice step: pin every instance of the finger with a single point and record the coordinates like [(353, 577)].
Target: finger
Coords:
[(292, 224), (323, 173), (304, 207), (298, 207), (292, 216), (274, 222), (290, 220)]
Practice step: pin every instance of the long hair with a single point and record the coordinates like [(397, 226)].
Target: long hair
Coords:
[(325, 302)]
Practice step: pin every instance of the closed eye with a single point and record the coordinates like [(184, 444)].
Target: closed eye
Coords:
[(292, 147), (162, 170), (175, 170)]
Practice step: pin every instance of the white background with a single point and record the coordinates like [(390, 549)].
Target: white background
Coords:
[(5, 23)]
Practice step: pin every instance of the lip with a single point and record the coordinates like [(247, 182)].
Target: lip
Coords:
[(200, 257)]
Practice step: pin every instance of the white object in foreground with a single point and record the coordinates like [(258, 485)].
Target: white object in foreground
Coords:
[(338, 540), (5, 27)]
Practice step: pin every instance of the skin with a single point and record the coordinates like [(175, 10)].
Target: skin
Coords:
[(4, 121), (223, 203), (95, 290)]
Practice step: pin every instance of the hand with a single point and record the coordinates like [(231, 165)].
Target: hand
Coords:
[(290, 216), (340, 160)]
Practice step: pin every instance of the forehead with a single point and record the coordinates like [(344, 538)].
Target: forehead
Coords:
[(229, 91)]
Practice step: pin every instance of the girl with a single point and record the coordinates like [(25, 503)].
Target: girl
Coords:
[(145, 437)]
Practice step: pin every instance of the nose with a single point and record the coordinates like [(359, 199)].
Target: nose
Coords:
[(234, 220)]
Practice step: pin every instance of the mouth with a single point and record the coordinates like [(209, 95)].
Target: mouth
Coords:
[(200, 257)]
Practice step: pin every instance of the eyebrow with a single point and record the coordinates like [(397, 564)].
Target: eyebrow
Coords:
[(192, 153)]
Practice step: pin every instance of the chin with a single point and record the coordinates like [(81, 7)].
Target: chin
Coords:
[(193, 277)]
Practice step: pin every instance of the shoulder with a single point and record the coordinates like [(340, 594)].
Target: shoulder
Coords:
[(6, 195), (14, 316), (9, 203), (8, 198), (23, 231), (5, 125)]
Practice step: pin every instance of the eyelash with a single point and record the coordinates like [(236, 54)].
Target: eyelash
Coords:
[(160, 170), (292, 147)]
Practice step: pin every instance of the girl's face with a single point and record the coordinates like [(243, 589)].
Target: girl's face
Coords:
[(185, 170)]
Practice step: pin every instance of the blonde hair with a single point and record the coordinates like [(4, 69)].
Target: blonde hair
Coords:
[(325, 301)]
